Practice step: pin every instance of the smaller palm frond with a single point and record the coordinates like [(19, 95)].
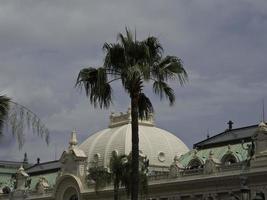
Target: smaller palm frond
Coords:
[(170, 67), (162, 89), (20, 119), (114, 60), (145, 107), (96, 86), (4, 108), (155, 49), (126, 40)]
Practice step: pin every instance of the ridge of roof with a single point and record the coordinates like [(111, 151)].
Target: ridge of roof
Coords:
[(224, 132), (42, 164), (13, 162)]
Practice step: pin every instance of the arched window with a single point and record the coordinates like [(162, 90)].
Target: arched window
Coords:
[(229, 159), (195, 164), (74, 197)]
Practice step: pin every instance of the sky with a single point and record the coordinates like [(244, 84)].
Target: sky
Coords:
[(44, 44)]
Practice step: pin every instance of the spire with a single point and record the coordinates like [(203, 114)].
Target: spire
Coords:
[(73, 140)]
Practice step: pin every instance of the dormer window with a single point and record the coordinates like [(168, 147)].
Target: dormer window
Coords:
[(229, 159), (195, 164)]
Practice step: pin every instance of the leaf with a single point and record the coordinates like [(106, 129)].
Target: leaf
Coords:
[(162, 89), (145, 107)]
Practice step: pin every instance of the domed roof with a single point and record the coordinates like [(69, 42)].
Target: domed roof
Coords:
[(158, 145)]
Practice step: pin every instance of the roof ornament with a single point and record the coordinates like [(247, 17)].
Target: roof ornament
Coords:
[(211, 154), (229, 149), (123, 118), (262, 128), (195, 153), (230, 125), (73, 140), (25, 159)]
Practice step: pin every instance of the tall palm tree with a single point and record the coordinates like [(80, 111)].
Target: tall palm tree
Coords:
[(18, 118), (132, 62)]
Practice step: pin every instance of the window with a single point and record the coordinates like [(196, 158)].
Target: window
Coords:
[(74, 197), (229, 159), (195, 164)]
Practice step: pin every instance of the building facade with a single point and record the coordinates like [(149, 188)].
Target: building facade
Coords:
[(229, 165)]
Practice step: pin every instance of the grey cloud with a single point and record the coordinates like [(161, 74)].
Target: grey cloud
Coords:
[(44, 44)]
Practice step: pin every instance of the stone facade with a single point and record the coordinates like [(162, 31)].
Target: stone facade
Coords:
[(229, 169)]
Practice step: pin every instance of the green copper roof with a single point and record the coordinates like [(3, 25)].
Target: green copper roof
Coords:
[(50, 177), (218, 152), (5, 180)]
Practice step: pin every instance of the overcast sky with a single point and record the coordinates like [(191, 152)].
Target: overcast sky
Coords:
[(44, 44)]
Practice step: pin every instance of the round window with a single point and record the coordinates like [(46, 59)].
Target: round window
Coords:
[(161, 156)]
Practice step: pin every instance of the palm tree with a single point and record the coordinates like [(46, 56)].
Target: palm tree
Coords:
[(100, 176), (143, 175), (132, 62), (118, 171), (18, 117), (4, 108)]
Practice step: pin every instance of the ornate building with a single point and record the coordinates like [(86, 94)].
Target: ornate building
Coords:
[(229, 165)]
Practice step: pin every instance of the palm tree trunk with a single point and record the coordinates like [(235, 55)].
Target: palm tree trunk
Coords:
[(116, 191), (135, 148)]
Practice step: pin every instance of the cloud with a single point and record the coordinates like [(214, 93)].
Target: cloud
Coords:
[(44, 44)]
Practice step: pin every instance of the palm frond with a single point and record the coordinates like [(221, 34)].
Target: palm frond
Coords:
[(145, 107), (114, 60), (21, 118), (155, 49), (97, 88), (164, 90), (4, 108), (170, 67)]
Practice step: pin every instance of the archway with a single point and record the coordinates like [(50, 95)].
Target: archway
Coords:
[(68, 187), (195, 163), (70, 194), (229, 159)]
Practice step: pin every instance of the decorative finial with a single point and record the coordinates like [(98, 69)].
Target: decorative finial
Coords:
[(229, 147), (230, 125), (211, 154), (262, 128), (38, 161), (25, 160), (208, 134), (21, 169), (195, 153), (73, 140)]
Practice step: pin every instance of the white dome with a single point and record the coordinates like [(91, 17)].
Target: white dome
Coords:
[(158, 145)]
